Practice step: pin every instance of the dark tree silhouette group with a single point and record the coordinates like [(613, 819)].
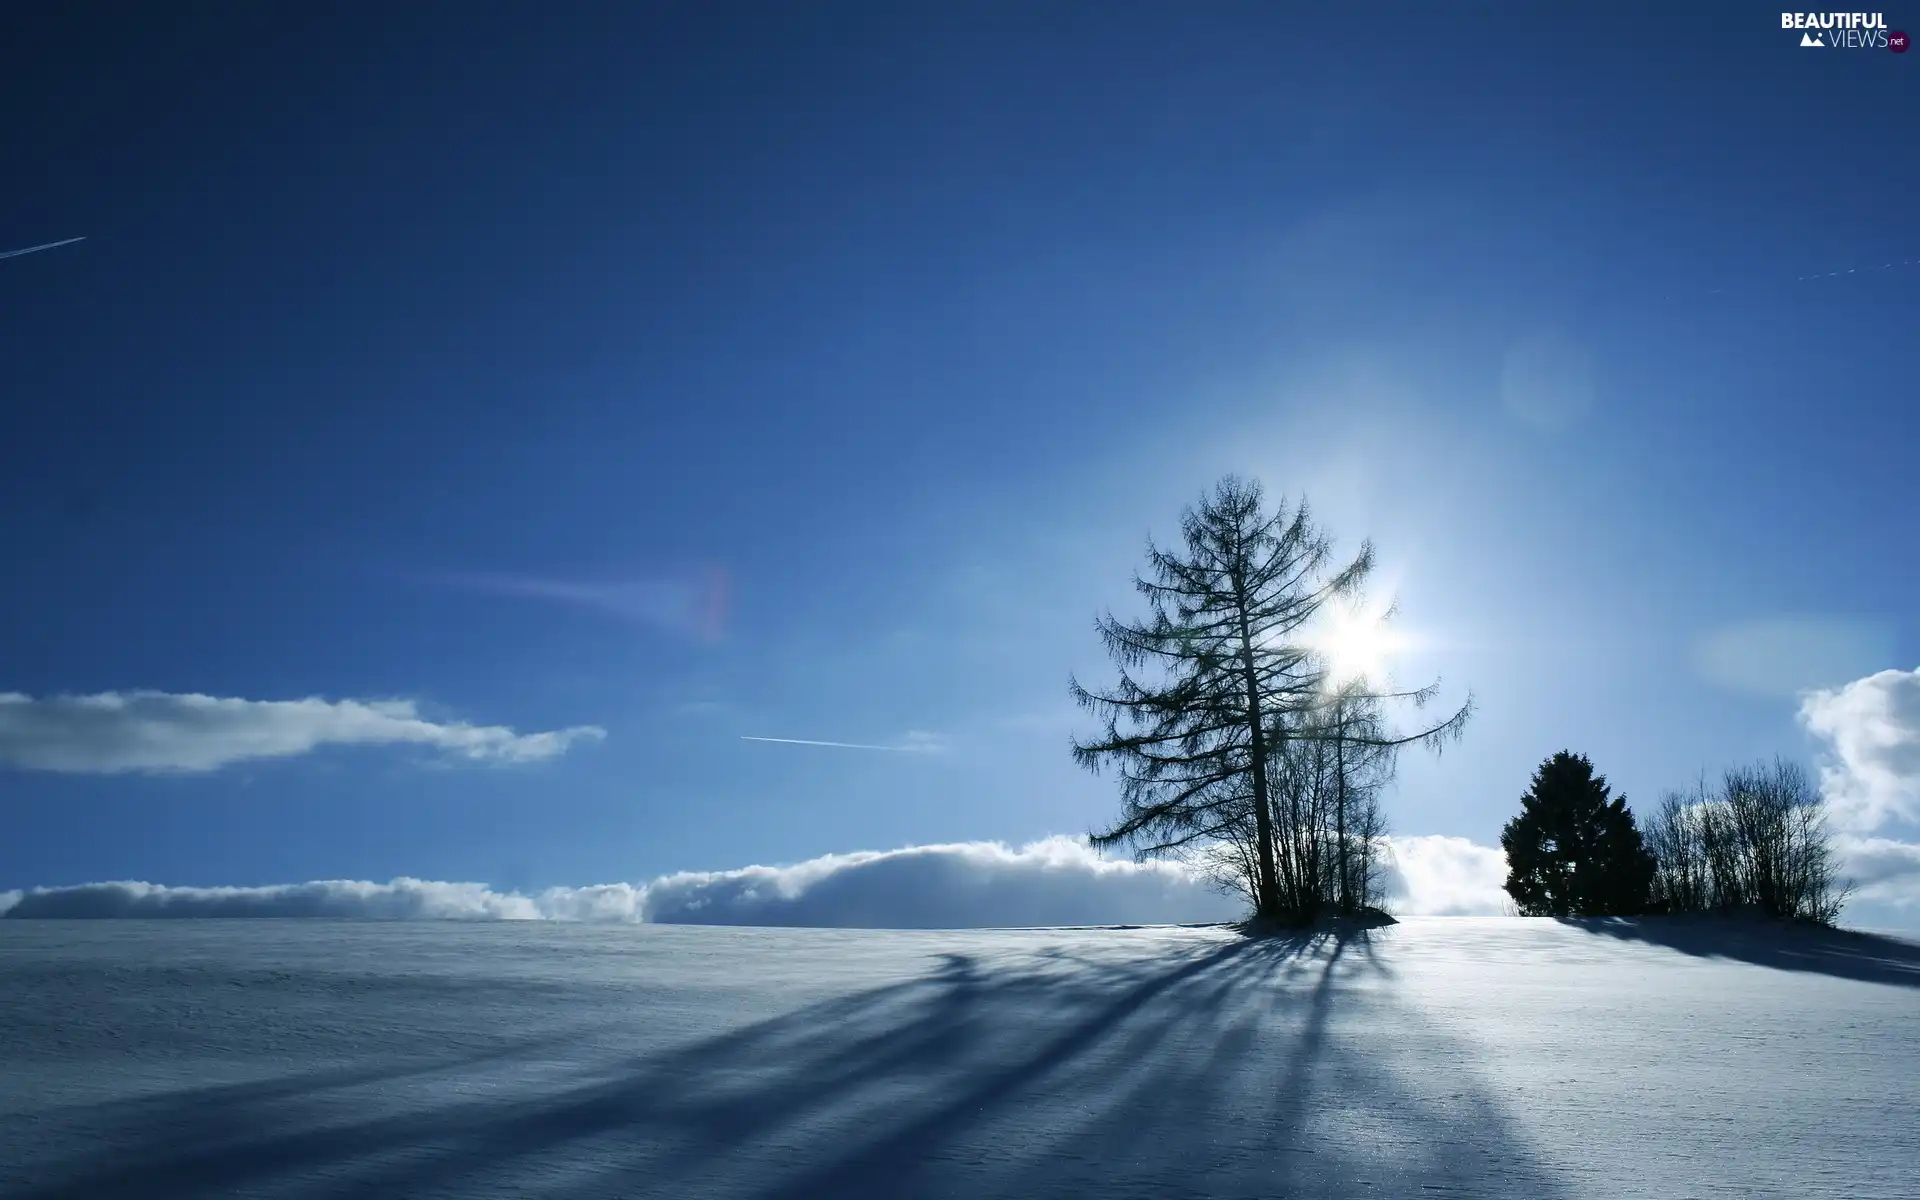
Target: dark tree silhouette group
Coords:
[(1239, 748), (1756, 844)]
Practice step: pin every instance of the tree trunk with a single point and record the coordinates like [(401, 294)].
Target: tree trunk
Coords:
[(1267, 902), (1345, 899)]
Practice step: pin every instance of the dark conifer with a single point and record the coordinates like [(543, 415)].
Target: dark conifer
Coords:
[(1574, 850)]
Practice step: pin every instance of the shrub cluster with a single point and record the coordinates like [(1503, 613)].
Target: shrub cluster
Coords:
[(1757, 843)]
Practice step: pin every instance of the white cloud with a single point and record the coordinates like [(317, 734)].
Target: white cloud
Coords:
[(1870, 778), (116, 732), (1871, 775), (1435, 875), (1058, 881)]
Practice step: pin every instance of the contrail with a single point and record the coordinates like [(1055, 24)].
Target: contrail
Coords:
[(37, 249), (1752, 286), (1907, 262), (839, 745)]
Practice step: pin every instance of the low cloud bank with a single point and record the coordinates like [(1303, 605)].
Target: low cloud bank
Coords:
[(1058, 881), (968, 885), (1442, 876), (119, 732), (399, 900)]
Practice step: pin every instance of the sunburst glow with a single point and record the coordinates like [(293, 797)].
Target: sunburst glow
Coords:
[(1358, 643)]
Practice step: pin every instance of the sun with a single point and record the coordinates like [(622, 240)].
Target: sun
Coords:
[(1358, 643)]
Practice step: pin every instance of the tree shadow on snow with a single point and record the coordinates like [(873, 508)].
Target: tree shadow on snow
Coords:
[(1273, 1068), (1844, 954)]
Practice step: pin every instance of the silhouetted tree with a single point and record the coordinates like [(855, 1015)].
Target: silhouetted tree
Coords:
[(1219, 694), (1327, 826), (1574, 851), (1758, 843)]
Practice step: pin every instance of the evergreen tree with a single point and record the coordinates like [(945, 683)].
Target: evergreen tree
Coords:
[(1574, 850)]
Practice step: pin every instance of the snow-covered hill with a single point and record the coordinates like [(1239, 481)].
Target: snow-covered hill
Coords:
[(1480, 1057)]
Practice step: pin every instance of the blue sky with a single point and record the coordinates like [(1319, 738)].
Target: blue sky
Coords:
[(688, 373)]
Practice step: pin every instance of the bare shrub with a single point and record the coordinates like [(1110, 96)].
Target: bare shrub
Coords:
[(1328, 829), (1758, 842)]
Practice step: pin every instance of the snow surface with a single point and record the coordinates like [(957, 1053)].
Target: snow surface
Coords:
[(1462, 1056)]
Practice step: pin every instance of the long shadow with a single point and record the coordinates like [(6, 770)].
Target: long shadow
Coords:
[(249, 1094), (1222, 1068), (213, 1140), (898, 1153), (1844, 954)]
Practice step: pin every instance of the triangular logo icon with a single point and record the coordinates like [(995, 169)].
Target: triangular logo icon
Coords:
[(1807, 39)]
